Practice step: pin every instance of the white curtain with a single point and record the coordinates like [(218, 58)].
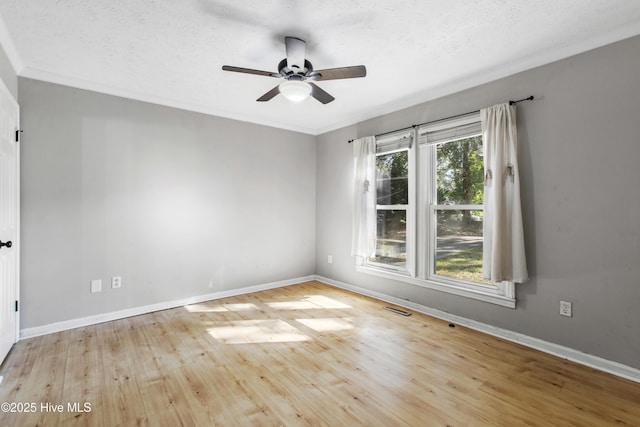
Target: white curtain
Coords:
[(503, 249), (363, 243)]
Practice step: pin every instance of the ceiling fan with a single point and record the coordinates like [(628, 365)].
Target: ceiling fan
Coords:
[(299, 75)]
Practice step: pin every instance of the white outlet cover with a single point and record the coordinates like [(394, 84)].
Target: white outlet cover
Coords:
[(116, 282), (96, 286), (565, 308)]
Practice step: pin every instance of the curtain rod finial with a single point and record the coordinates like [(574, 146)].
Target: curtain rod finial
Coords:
[(520, 100)]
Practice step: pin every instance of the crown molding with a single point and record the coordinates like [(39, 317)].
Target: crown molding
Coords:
[(78, 83)]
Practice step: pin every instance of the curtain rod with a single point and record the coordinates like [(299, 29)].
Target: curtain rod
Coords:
[(530, 98)]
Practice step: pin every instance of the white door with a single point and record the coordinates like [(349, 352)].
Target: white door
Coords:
[(9, 220)]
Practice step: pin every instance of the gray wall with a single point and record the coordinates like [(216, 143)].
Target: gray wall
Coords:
[(8, 74), (579, 153), (179, 204)]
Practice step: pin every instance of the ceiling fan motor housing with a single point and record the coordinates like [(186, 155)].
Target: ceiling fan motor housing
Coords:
[(296, 73)]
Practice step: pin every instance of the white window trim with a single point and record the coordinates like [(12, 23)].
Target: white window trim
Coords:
[(500, 295), (420, 194), (410, 266)]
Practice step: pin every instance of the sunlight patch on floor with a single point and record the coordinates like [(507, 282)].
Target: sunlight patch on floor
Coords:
[(256, 331), (292, 305), (328, 325), (240, 307), (325, 302), (307, 303)]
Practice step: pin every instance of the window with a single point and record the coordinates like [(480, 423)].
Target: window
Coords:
[(453, 178), (393, 207), (456, 210), (392, 200), (437, 241)]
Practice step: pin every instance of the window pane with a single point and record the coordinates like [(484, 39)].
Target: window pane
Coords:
[(391, 243), (392, 184), (459, 245), (460, 172)]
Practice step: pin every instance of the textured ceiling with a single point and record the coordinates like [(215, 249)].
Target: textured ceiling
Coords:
[(171, 52)]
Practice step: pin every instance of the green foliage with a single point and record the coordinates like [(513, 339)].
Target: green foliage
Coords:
[(463, 265), (460, 172), (392, 178)]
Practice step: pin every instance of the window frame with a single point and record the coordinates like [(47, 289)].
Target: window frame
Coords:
[(421, 224), (394, 144)]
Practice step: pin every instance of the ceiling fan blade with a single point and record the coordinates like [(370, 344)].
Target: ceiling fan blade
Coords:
[(295, 52), (269, 95), (250, 71), (320, 94), (341, 73)]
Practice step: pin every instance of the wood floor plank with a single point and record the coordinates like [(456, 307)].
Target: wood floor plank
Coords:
[(302, 355)]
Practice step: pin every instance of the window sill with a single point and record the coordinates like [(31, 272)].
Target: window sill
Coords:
[(489, 295)]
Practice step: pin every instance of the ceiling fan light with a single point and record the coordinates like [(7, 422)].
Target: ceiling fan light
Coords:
[(295, 91)]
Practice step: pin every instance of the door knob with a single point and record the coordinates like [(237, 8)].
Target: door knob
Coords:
[(7, 244)]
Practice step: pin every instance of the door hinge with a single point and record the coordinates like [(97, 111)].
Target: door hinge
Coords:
[(16, 306), (18, 132)]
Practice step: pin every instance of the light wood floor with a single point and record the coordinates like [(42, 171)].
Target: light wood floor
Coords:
[(307, 354)]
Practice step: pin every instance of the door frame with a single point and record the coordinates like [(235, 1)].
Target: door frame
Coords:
[(5, 92)]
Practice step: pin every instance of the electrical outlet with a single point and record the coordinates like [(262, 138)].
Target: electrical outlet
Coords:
[(330, 259), (565, 308), (96, 286), (116, 282)]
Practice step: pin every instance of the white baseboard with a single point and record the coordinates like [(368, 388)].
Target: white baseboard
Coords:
[(563, 352), (136, 311)]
